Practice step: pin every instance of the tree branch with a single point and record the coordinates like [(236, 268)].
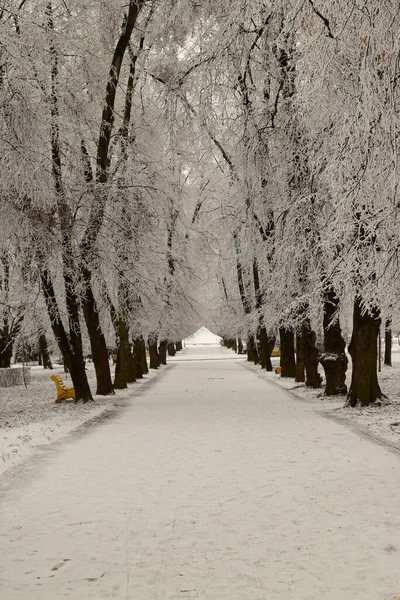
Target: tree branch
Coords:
[(324, 19)]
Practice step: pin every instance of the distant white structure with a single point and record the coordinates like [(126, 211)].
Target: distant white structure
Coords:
[(203, 336)]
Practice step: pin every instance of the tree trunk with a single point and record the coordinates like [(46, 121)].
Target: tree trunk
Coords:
[(171, 349), (252, 354), (125, 368), (145, 368), (162, 352), (71, 346), (363, 350), (71, 349), (79, 378), (44, 352), (313, 378), (388, 344), (266, 345), (137, 357), (6, 351), (8, 335), (240, 346), (97, 341), (333, 359), (288, 364), (154, 356), (300, 369), (178, 346)]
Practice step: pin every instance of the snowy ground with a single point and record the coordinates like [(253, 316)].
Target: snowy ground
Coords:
[(29, 418), (210, 484), (381, 420)]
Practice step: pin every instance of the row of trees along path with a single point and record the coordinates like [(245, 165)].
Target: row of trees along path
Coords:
[(165, 164)]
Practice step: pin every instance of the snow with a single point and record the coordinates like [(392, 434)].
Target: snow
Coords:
[(203, 336), (381, 420), (30, 418), (212, 483)]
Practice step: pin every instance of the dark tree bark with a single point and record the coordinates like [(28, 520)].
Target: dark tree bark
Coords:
[(44, 351), (300, 368), (70, 346), (240, 346), (363, 350), (266, 345), (288, 364), (313, 378), (72, 355), (229, 343), (145, 367), (8, 335), (162, 352), (97, 340), (171, 349), (107, 122), (388, 344), (179, 346), (333, 359), (154, 356), (137, 357), (6, 351), (252, 354), (125, 368), (11, 326), (262, 345)]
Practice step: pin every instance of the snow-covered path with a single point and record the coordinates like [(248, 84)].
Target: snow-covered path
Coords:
[(211, 485)]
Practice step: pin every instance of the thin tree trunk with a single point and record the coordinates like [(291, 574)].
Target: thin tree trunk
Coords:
[(73, 363), (11, 326), (179, 346), (266, 345), (8, 335), (333, 359), (300, 369), (313, 378), (73, 345), (388, 344), (97, 340), (252, 354), (145, 367), (106, 128), (240, 346), (363, 350), (124, 369), (288, 364), (44, 351), (137, 357)]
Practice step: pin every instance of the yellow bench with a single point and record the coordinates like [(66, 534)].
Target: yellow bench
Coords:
[(276, 352), (63, 392)]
